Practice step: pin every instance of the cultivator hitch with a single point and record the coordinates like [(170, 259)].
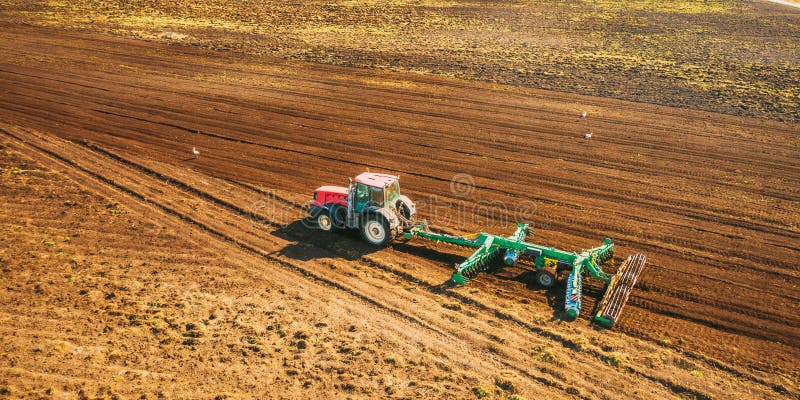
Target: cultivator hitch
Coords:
[(548, 261)]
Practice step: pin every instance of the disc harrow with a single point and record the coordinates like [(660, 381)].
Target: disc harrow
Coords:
[(547, 261), (572, 301)]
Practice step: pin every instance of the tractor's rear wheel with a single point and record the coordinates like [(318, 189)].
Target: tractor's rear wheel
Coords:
[(339, 216), (546, 276), (324, 221), (405, 211), (375, 231)]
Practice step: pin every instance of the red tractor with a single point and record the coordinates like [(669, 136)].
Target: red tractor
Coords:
[(372, 204)]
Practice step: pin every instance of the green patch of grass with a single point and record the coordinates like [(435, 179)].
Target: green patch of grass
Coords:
[(611, 359), (504, 384), (277, 328), (450, 318), (545, 354), (478, 392)]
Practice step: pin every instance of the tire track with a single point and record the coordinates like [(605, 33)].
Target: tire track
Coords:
[(662, 111), (511, 147), (459, 106), (586, 189)]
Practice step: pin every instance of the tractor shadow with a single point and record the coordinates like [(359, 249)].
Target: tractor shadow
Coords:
[(310, 243), (429, 252), (432, 254)]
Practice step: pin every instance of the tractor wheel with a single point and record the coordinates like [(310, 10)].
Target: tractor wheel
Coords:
[(404, 210), (375, 231), (404, 207), (546, 276), (324, 221), (339, 217)]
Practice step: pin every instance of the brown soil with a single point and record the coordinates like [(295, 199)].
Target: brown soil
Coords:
[(738, 58), (130, 267)]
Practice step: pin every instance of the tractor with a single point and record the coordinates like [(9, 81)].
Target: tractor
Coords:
[(372, 204)]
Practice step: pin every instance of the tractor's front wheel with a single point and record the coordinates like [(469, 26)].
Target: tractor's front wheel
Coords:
[(324, 221), (375, 231), (546, 276)]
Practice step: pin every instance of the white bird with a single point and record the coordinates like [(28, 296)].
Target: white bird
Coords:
[(587, 135), (195, 152), (583, 114)]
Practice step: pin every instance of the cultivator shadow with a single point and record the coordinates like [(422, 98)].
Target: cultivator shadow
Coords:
[(548, 261)]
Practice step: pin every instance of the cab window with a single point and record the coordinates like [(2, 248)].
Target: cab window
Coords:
[(362, 193), (366, 195), (393, 191), (376, 196)]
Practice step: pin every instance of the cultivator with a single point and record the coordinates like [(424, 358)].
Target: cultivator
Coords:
[(547, 261)]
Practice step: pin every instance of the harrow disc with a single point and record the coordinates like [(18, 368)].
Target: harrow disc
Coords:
[(572, 300)]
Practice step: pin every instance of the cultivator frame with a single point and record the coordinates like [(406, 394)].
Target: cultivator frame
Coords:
[(547, 261)]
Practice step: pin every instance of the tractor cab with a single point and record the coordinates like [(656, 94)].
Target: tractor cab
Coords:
[(372, 189)]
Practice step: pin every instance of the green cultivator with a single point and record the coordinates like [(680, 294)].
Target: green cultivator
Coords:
[(548, 261)]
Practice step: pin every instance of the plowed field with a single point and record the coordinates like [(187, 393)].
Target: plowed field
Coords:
[(131, 267)]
